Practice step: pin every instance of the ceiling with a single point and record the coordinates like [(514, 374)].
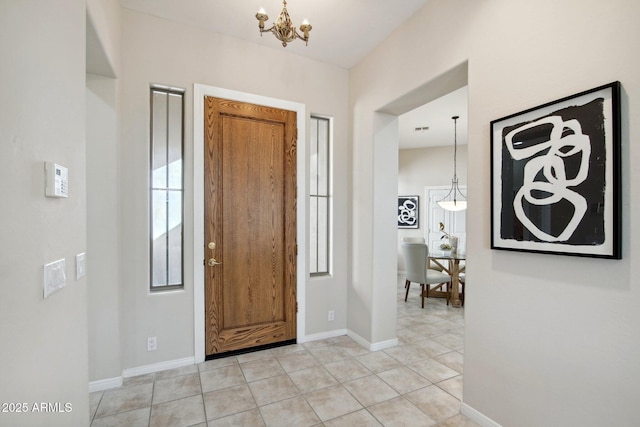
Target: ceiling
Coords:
[(343, 33), (437, 117)]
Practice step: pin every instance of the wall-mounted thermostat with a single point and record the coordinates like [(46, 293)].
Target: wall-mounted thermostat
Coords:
[(57, 180)]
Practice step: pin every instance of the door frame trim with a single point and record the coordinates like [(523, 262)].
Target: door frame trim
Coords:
[(199, 92)]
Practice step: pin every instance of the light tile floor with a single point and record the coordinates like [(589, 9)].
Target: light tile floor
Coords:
[(333, 382)]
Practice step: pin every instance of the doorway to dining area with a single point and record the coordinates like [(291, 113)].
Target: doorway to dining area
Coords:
[(426, 150), (425, 166), (385, 155)]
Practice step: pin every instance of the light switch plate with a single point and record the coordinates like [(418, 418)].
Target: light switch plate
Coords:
[(54, 277), (81, 265)]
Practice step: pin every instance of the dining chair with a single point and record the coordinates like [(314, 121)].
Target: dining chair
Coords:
[(415, 258), (413, 239), (432, 265)]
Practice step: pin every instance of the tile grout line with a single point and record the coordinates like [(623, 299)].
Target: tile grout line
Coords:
[(340, 351)]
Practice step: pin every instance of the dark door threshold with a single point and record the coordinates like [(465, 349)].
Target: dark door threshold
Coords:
[(249, 350)]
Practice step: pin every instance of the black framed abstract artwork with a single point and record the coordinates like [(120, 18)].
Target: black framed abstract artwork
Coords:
[(556, 179), (408, 207)]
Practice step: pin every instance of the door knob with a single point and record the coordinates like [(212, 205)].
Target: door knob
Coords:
[(212, 262), (211, 245)]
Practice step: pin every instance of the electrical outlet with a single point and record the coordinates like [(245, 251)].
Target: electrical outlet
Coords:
[(152, 344), (330, 316)]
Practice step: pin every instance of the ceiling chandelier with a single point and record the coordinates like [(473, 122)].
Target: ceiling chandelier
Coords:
[(451, 202), (283, 29)]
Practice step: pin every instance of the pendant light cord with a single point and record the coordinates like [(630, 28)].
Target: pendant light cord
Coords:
[(455, 145)]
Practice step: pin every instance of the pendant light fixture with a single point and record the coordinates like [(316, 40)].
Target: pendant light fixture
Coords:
[(453, 202), (283, 29)]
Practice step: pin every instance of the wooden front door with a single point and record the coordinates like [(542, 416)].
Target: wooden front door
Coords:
[(250, 225)]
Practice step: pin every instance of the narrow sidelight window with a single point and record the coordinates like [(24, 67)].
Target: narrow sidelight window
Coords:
[(320, 198), (166, 190)]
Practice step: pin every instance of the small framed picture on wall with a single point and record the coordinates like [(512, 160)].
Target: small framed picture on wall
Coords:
[(408, 207)]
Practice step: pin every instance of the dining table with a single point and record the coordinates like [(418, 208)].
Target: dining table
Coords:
[(450, 263)]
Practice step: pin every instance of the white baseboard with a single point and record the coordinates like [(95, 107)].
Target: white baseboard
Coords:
[(116, 382), (157, 367), (357, 338), (383, 344), (372, 346), (477, 416), (106, 384), (323, 335)]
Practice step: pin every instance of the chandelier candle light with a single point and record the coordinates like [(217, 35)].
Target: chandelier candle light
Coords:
[(451, 202), (283, 29)]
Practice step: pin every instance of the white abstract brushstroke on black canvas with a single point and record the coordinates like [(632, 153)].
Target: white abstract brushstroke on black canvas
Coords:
[(408, 212), (553, 177), (556, 178)]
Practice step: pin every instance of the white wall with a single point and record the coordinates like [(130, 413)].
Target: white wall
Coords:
[(421, 167), (102, 229), (163, 52), (103, 37), (550, 340), (43, 356), (382, 333), (103, 59)]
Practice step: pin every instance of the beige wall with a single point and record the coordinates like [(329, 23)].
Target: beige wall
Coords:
[(43, 356), (162, 52), (550, 340)]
